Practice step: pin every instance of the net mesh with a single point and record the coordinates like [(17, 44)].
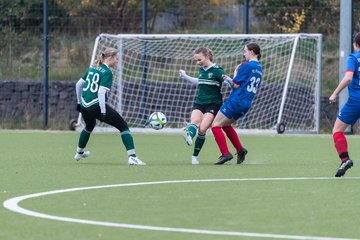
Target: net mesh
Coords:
[(147, 77)]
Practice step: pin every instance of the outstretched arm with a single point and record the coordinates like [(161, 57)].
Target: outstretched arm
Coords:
[(183, 75), (229, 81)]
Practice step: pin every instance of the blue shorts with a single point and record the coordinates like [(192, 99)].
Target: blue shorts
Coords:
[(235, 109), (350, 112)]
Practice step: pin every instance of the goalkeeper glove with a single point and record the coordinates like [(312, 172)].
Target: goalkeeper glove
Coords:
[(102, 117)]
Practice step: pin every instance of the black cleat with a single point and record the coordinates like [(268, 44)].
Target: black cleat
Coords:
[(241, 155), (344, 166), (224, 158)]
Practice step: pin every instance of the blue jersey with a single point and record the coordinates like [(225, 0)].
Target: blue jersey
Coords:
[(350, 112), (239, 102), (249, 78), (353, 65)]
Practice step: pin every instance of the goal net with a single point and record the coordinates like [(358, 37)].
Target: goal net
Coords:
[(147, 77)]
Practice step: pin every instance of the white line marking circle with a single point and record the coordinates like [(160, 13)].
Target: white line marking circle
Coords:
[(13, 205)]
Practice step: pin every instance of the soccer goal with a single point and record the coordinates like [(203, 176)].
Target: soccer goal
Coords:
[(147, 77)]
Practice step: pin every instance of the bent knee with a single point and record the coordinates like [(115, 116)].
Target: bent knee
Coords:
[(202, 131)]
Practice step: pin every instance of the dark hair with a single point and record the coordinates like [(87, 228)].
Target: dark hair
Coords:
[(357, 39), (205, 51), (255, 48)]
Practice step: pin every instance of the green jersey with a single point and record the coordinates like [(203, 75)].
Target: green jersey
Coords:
[(94, 78), (209, 88)]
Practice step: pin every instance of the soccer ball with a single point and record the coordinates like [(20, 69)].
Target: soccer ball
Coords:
[(157, 120)]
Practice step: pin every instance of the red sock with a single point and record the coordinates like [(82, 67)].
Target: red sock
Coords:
[(232, 135), (341, 145), (220, 139)]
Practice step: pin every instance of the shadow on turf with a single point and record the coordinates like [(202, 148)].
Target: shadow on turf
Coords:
[(101, 163)]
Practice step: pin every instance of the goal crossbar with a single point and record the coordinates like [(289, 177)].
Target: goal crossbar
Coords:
[(146, 78)]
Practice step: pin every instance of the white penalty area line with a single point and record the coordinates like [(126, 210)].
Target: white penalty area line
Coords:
[(13, 205)]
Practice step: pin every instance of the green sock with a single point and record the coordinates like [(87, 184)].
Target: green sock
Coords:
[(128, 142), (200, 140), (192, 128), (84, 138)]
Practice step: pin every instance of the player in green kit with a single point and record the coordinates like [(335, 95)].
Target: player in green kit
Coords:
[(91, 91), (208, 99)]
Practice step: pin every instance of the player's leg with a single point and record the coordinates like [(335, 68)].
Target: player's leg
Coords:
[(90, 122), (209, 114), (114, 119), (191, 130), (220, 121), (233, 136), (348, 115), (235, 140), (341, 147), (340, 142), (200, 140)]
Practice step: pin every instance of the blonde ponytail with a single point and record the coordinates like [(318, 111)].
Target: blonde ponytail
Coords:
[(108, 52)]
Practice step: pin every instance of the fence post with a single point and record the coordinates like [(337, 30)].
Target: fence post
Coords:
[(345, 46), (45, 64)]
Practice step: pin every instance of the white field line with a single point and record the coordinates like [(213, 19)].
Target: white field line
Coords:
[(13, 205)]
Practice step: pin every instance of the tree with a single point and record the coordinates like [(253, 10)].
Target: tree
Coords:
[(27, 15), (298, 15)]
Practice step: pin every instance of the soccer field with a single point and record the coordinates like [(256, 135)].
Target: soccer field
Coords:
[(285, 189)]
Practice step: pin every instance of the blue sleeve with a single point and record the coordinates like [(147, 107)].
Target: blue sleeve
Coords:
[(351, 63), (242, 74)]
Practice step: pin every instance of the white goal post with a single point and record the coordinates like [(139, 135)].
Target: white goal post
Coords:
[(147, 77)]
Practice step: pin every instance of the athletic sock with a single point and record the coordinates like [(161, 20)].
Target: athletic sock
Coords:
[(341, 145), (199, 142), (79, 150), (232, 135), (220, 140), (192, 129), (128, 142), (84, 138)]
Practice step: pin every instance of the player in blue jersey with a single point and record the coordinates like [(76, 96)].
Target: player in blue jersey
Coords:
[(350, 112), (245, 84), (91, 91)]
